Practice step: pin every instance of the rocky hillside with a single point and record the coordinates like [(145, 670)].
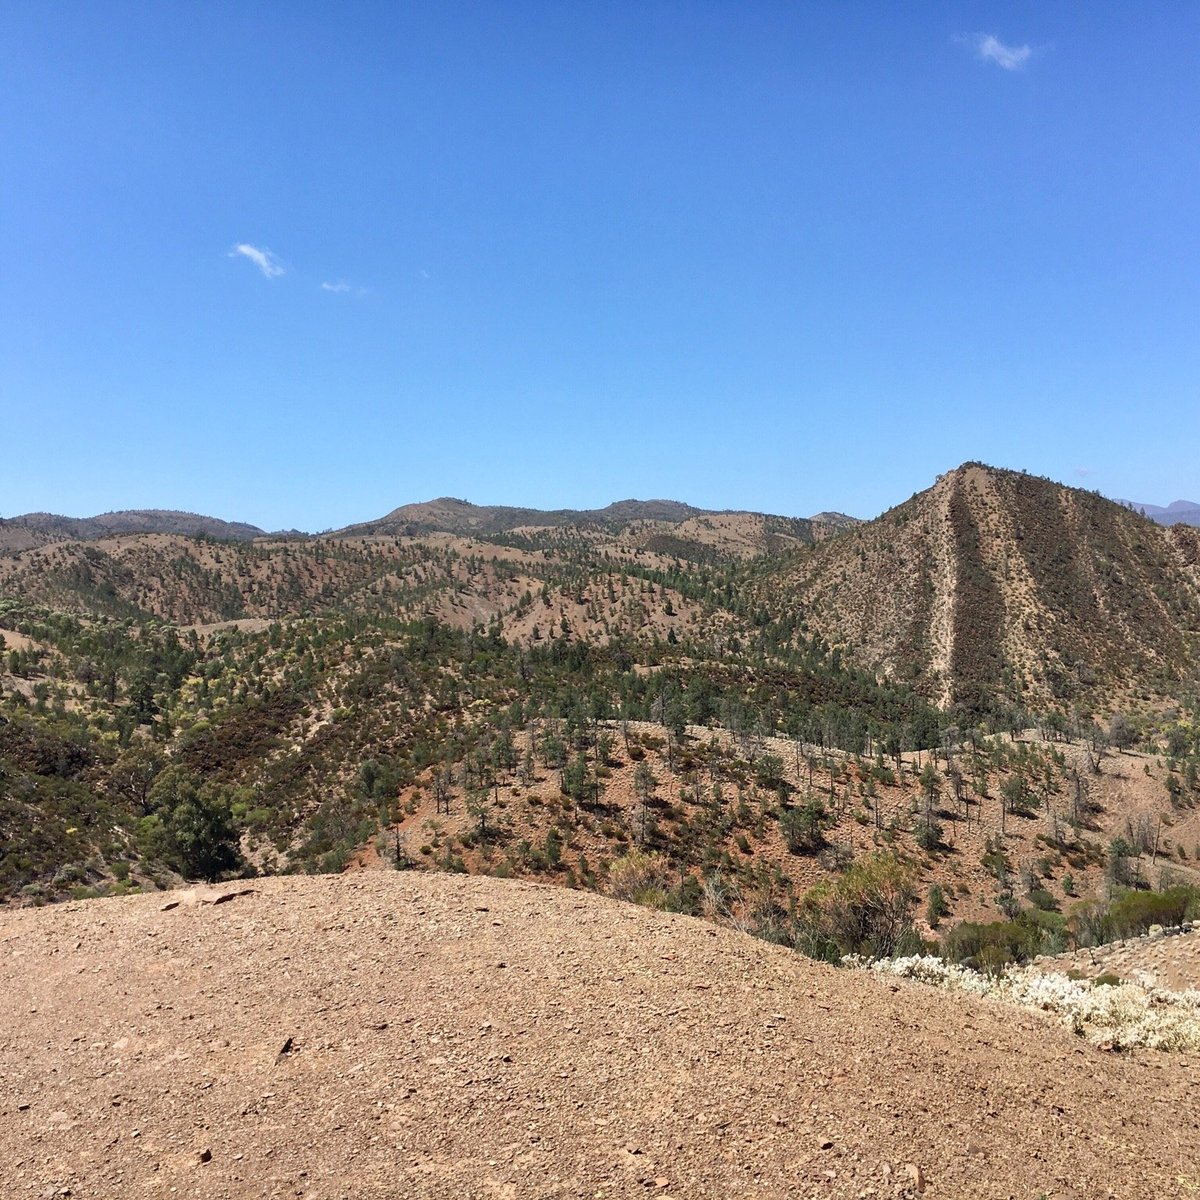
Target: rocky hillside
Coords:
[(994, 585), (440, 1037)]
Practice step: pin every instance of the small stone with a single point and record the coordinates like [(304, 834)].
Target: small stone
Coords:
[(916, 1177), (826, 1144), (204, 1155)]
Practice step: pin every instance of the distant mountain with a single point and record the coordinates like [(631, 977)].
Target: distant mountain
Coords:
[(449, 515), (836, 521), (37, 529), (752, 532), (993, 586), (1178, 512), (990, 588)]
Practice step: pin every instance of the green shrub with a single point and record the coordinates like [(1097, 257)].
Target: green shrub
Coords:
[(992, 946), (1133, 912), (804, 828), (868, 911), (641, 878), (937, 907)]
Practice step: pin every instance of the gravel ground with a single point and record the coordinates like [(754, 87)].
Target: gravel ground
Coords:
[(428, 1035)]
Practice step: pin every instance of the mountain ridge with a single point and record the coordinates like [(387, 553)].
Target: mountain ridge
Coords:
[(991, 587), (28, 530), (448, 514), (1178, 512), (995, 582)]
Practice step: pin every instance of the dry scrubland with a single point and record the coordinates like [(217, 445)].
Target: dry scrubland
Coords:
[(442, 1036), (709, 712), (742, 838)]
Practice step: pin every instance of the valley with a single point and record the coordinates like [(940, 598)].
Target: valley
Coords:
[(350, 802)]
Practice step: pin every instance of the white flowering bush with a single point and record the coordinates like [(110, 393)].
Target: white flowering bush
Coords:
[(1126, 1015)]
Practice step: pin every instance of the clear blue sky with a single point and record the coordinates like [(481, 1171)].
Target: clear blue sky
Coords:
[(783, 256)]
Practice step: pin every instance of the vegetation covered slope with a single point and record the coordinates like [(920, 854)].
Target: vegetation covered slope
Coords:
[(36, 529), (573, 704), (994, 585)]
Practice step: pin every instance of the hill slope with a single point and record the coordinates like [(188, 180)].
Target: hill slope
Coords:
[(994, 585), (37, 529), (655, 517), (448, 515), (443, 1037)]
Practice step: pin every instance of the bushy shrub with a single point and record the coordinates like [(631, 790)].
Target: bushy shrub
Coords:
[(937, 907), (1133, 913), (1112, 1013), (190, 827), (804, 828), (992, 946), (868, 911), (641, 878)]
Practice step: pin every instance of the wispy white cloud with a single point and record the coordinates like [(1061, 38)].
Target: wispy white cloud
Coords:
[(263, 259), (990, 48), (339, 287), (1084, 472)]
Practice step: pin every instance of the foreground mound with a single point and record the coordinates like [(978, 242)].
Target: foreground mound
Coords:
[(441, 1036)]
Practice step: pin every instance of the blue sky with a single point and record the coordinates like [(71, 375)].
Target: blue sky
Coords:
[(785, 257)]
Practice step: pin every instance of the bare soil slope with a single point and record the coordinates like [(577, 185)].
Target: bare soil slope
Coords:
[(1170, 961), (437, 1036)]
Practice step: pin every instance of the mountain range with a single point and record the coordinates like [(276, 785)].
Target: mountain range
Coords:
[(37, 529), (444, 515), (449, 515), (989, 584), (1178, 512), (744, 696)]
